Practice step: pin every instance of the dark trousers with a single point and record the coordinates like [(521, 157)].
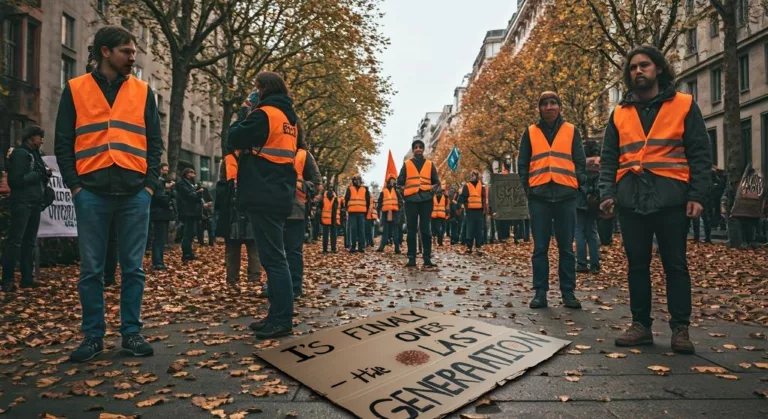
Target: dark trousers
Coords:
[(232, 260), (20, 242), (438, 227), (418, 216), (356, 230), (474, 228), (202, 227), (110, 263), (637, 232), (293, 237), (329, 231), (316, 227), (522, 230), (188, 235), (391, 232), (706, 216), (503, 227), (268, 232), (369, 224), (493, 225), (455, 229), (748, 229), (160, 232), (562, 216), (586, 235), (605, 231)]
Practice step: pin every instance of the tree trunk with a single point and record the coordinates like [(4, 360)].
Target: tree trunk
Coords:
[(226, 120), (734, 155), (179, 81)]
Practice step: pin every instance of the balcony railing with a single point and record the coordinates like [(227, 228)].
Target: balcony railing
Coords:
[(22, 98)]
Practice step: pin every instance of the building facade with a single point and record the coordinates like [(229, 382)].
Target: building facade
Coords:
[(47, 44)]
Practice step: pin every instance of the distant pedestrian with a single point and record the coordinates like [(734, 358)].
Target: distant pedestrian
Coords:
[(358, 200), (475, 203), (189, 198), (587, 214), (330, 219), (161, 213), (390, 202)]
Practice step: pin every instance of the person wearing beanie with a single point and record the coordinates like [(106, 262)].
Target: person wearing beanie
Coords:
[(475, 202), (552, 166), (389, 206), (419, 180), (358, 199)]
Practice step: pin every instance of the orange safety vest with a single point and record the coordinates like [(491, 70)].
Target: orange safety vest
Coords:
[(438, 207), (475, 200), (356, 200), (230, 162), (661, 151), (552, 163), (280, 147), (372, 213), (298, 164), (416, 181), (107, 135), (389, 203), (327, 210)]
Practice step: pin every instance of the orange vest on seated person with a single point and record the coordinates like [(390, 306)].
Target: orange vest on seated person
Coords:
[(327, 210), (389, 202), (280, 147), (475, 199), (661, 151), (104, 135), (298, 164), (415, 180), (439, 208), (356, 204), (552, 163)]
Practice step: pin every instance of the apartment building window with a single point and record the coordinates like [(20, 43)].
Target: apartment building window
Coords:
[(11, 47), (746, 139), (192, 127), (187, 157), (143, 34), (68, 31), (713, 144), (203, 133), (138, 72), (714, 26), (742, 12), (744, 72), (32, 51), (205, 168), (691, 47), (67, 69), (715, 83), (693, 89), (689, 7)]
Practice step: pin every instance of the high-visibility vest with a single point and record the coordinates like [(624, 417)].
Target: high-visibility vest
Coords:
[(356, 202), (298, 164), (107, 135), (389, 202), (372, 213), (661, 151), (438, 207), (475, 199), (327, 211), (416, 181), (230, 162), (280, 147), (552, 163)]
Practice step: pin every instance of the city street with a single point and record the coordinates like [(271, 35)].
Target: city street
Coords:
[(204, 363)]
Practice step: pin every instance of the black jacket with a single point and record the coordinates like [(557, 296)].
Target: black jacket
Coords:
[(113, 180), (551, 192), (263, 186), (189, 201), (464, 197), (422, 195), (27, 176), (588, 191), (647, 193), (162, 207)]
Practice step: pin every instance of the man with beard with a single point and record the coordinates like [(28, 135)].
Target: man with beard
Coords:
[(655, 167), (358, 200)]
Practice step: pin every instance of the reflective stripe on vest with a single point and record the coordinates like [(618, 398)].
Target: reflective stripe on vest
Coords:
[(475, 199), (107, 135), (372, 213), (327, 210), (298, 164), (438, 207), (356, 202), (661, 151), (416, 181), (280, 147), (389, 202), (230, 162), (552, 163)]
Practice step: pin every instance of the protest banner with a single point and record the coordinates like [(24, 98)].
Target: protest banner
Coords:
[(412, 362), (508, 198), (58, 220)]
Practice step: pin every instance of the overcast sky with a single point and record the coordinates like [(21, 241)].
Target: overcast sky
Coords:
[(433, 45)]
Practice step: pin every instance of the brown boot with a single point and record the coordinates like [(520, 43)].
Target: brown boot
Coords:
[(636, 335), (681, 341)]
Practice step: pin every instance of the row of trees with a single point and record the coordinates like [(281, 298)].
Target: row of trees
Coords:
[(325, 49)]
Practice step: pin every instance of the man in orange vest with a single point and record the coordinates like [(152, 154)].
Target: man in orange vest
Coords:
[(655, 167), (475, 203), (358, 200), (389, 205), (552, 165), (108, 147), (419, 180), (330, 218), (439, 215)]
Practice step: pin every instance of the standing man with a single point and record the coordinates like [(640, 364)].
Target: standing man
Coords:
[(439, 215), (190, 204), (474, 200), (389, 206), (27, 176), (330, 219), (552, 165), (161, 213), (419, 178), (108, 146), (456, 216), (358, 200), (655, 167)]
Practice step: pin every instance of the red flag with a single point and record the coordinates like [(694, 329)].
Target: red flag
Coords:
[(391, 169)]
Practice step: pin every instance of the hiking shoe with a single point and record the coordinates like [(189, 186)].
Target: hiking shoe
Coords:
[(539, 300), (88, 349), (681, 341), (135, 344), (582, 269), (428, 264), (258, 325), (570, 301), (411, 263), (636, 335), (270, 331)]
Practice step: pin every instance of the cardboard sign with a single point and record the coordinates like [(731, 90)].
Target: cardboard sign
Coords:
[(508, 198), (59, 219), (410, 363)]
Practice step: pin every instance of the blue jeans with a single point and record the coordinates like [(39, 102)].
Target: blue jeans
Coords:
[(542, 215), (94, 215), (586, 233), (293, 236), (268, 232), (357, 230), (160, 231)]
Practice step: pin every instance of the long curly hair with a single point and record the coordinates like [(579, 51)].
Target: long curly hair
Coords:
[(667, 75)]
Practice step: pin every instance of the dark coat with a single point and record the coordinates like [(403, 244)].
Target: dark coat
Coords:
[(27, 176), (188, 201), (162, 207)]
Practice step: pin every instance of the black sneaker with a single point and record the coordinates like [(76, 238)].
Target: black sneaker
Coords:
[(88, 349), (539, 300), (258, 325), (570, 301), (411, 263), (594, 269), (270, 331), (429, 264), (582, 269), (135, 344)]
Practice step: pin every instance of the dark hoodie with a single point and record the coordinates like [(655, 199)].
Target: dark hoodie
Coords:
[(263, 186), (647, 193)]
